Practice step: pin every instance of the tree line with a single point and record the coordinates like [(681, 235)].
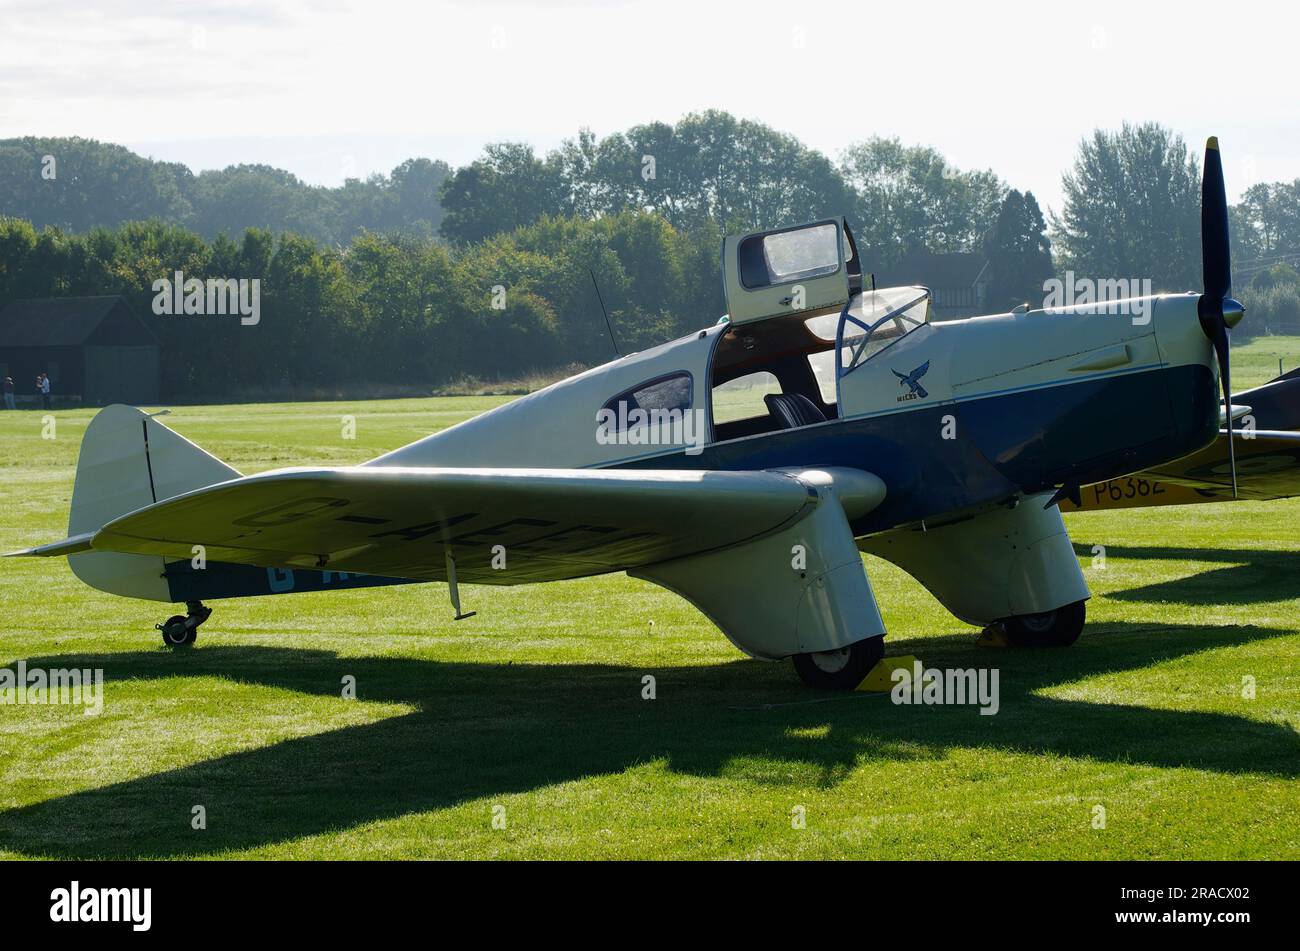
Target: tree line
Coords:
[(390, 313), (415, 278), (76, 184)]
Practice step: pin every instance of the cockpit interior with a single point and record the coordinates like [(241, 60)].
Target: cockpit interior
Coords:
[(780, 368)]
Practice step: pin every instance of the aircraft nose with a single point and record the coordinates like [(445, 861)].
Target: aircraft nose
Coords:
[(1183, 337)]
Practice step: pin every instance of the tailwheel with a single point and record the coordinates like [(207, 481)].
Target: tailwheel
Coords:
[(175, 633), (841, 669), (1059, 628), (181, 630)]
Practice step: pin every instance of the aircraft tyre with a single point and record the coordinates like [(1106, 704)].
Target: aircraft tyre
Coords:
[(176, 633), (181, 630), (1059, 628), (841, 669)]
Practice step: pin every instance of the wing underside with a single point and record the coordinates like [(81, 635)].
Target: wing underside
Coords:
[(503, 526), (1268, 467)]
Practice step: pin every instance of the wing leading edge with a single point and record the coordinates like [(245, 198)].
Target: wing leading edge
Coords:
[(503, 526)]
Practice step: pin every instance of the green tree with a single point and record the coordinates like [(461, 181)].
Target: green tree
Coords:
[(909, 197), (508, 188), (1266, 225), (1132, 209), (414, 186), (710, 166), (84, 184), (258, 196), (409, 309), (1019, 252)]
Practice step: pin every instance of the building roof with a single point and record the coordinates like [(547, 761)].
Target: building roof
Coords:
[(56, 321), (948, 269)]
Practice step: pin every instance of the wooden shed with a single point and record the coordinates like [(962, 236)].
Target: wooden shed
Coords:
[(93, 348)]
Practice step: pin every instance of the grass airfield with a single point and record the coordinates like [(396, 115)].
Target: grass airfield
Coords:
[(532, 712)]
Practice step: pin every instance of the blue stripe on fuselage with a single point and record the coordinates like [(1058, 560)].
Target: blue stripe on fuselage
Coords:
[(1025, 439)]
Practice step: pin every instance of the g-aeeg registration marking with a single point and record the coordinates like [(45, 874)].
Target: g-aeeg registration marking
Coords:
[(511, 532)]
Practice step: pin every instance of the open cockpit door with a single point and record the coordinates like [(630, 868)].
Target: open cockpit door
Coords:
[(806, 268)]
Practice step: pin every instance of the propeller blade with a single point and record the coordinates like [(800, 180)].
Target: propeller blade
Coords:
[(1216, 261), (1222, 350), (1215, 255)]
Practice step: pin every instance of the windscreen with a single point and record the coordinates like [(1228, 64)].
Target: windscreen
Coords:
[(876, 319)]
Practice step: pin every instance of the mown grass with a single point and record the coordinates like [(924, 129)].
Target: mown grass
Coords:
[(533, 710), (1257, 362)]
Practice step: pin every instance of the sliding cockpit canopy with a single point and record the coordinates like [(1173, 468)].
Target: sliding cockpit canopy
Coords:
[(801, 289), (810, 267)]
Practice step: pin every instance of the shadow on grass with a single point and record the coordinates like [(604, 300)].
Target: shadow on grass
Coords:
[(485, 730), (1249, 577)]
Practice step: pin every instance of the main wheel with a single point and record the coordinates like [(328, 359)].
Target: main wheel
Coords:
[(841, 669), (175, 632), (1059, 628)]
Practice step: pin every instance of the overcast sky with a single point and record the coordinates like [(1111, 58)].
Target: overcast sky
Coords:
[(339, 89)]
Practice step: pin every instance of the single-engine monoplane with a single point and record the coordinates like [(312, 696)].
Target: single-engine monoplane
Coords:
[(745, 466)]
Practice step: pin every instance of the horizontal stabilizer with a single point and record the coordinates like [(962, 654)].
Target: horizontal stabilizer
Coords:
[(67, 546), (128, 461)]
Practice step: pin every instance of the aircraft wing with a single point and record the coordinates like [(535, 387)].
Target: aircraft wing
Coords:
[(1268, 467), (397, 522)]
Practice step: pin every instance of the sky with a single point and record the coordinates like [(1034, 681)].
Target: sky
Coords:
[(340, 89)]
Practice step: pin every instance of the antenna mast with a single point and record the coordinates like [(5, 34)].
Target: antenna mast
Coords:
[(608, 325)]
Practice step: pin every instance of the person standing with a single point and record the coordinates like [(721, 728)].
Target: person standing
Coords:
[(9, 393), (46, 400)]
